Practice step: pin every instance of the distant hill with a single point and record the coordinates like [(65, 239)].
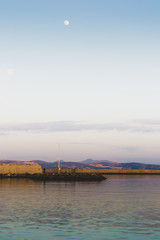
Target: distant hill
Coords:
[(64, 164), (11, 161), (88, 161), (87, 164), (115, 165), (134, 165)]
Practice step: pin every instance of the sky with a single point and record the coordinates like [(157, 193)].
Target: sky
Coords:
[(91, 85)]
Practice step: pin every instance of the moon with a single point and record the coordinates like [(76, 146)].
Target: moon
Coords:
[(66, 22)]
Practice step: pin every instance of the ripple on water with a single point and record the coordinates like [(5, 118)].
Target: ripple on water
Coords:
[(123, 207)]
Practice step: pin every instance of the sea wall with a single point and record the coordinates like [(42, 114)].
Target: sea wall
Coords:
[(107, 171), (19, 169)]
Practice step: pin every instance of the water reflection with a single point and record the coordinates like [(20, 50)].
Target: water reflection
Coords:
[(123, 207)]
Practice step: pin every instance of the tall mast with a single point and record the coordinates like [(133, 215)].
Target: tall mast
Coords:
[(59, 162)]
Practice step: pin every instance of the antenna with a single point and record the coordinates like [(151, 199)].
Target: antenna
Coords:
[(59, 160)]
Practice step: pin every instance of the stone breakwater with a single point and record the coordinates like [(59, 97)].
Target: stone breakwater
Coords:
[(57, 176), (20, 169), (110, 171), (35, 172)]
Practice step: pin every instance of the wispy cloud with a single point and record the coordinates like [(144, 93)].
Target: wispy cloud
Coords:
[(83, 143), (130, 149), (2, 134), (144, 126)]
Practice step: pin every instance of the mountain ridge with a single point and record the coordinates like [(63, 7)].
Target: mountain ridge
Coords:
[(86, 164)]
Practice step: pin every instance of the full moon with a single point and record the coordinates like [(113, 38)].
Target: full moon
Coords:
[(66, 22)]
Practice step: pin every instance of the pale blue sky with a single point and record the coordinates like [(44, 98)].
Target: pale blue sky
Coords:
[(93, 85)]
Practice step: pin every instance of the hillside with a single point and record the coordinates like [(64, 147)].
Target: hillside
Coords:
[(87, 164)]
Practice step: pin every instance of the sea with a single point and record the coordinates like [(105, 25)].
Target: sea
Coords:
[(121, 207)]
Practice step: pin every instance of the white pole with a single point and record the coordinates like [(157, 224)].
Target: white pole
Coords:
[(59, 163)]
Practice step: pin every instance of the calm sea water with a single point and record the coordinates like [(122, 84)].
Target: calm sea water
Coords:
[(122, 207)]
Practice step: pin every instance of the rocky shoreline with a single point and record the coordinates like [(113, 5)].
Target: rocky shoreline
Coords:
[(58, 176)]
